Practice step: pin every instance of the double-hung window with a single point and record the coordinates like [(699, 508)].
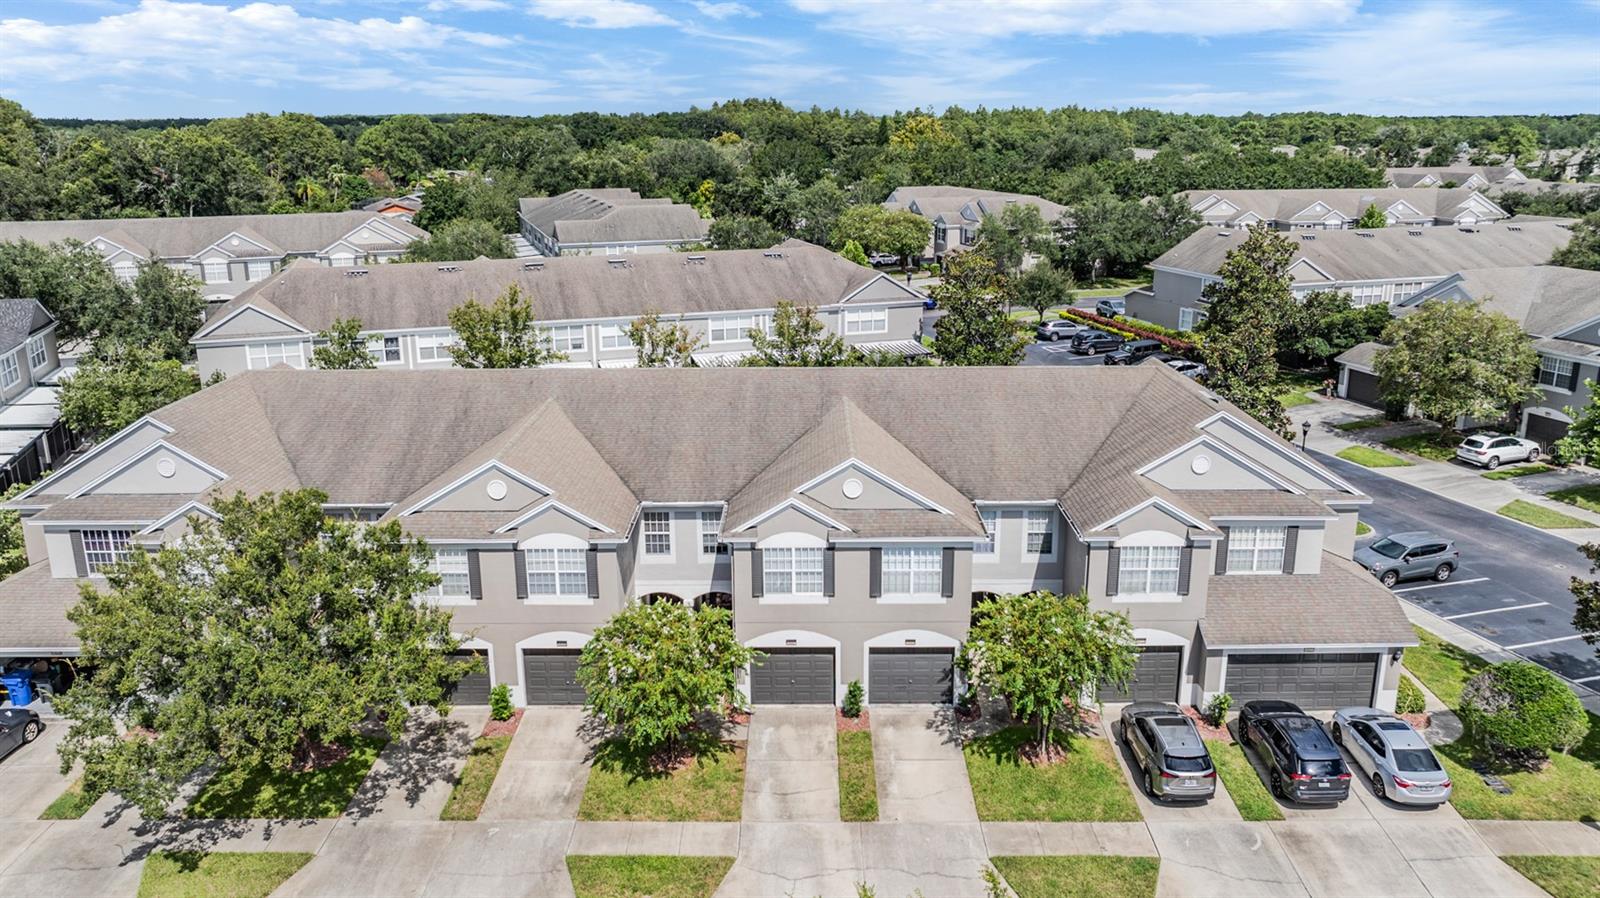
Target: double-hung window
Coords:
[(1366, 294), (1188, 319), (37, 355), (991, 526), (732, 328), (216, 271), (1406, 289), (912, 571), (795, 571), (1145, 570), (384, 350), (658, 533), (614, 336), (103, 548), (434, 347), (1253, 550), (557, 573), (126, 271), (566, 338), (1041, 536), (454, 582), (10, 375), (711, 532), (866, 321), (1554, 372), (265, 355), (257, 271)]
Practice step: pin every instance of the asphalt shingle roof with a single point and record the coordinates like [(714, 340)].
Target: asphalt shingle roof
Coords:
[(612, 215), (1547, 300), (1342, 605), (19, 320), (300, 232)]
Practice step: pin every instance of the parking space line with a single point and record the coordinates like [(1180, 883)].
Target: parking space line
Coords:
[(1496, 610), (1586, 679), (1529, 645), (1058, 349), (1437, 585)]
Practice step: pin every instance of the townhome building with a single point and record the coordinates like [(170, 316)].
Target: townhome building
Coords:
[(1385, 265), (228, 253), (1341, 208), (33, 438), (1559, 309), (586, 303), (957, 212), (1474, 177), (848, 517), (608, 221)]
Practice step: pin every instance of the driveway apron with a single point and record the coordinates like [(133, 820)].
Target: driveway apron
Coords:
[(1212, 859), (922, 776), (545, 769), (791, 769), (413, 776), (32, 775), (1220, 807)]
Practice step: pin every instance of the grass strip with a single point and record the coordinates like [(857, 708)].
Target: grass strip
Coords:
[(1368, 457), (203, 874), (858, 779), (477, 778), (1079, 876), (1541, 517), (646, 875)]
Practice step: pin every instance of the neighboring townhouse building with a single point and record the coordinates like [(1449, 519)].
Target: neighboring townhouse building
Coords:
[(849, 517), (1341, 208), (228, 253), (957, 212), (1474, 177), (608, 221), (586, 303), (1559, 308), (33, 439), (1378, 265), (404, 208)]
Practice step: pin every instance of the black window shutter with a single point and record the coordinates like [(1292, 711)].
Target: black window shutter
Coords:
[(1113, 570), (591, 571), (827, 571), (1574, 378), (758, 574), (1185, 564), (522, 574), (1221, 548), (474, 575), (77, 554), (947, 573), (875, 573), (1291, 539)]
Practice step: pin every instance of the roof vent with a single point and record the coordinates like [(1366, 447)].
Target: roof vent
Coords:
[(535, 265), (1415, 233), (1513, 227), (697, 259), (356, 273), (773, 253), (617, 263), (1308, 236), (448, 269), (1224, 232)]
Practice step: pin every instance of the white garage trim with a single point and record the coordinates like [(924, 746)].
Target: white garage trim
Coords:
[(555, 639), (900, 639), (802, 639), (1152, 638)]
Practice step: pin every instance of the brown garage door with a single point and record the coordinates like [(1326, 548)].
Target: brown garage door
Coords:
[(1332, 680), (1363, 388), (1545, 431), (1155, 678)]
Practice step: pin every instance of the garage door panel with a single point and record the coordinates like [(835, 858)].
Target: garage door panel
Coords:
[(550, 677), (792, 676), (1155, 678), (1545, 431), (1322, 681), (1364, 388), (910, 676), (472, 689)]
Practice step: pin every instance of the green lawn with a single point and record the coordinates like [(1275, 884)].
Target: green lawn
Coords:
[(1520, 471), (1244, 785), (1368, 457), (1442, 666), (1562, 877), (1080, 876), (276, 794), (477, 777), (646, 875), (1362, 423), (1084, 786), (72, 804), (1295, 385), (1362, 529), (1435, 445), (622, 787), (858, 780), (235, 874), (1585, 497), (1541, 517)]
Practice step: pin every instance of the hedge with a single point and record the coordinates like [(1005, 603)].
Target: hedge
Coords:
[(1141, 330)]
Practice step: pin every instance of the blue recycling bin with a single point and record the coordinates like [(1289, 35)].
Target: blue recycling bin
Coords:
[(19, 686)]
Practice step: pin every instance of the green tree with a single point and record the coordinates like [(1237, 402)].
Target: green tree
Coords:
[(1043, 652), (1586, 616), (117, 383), (663, 344), (448, 199), (1372, 217), (1583, 250), (166, 309), (977, 328), (853, 251), (342, 347), (13, 549), (461, 240), (1011, 237), (1044, 287), (254, 641), (70, 280), (1248, 309), (652, 669), (1520, 712), (879, 230), (1518, 143), (743, 232), (1325, 324), (505, 334), (191, 171), (405, 147), (1104, 236), (798, 339), (1454, 359), (1582, 440)]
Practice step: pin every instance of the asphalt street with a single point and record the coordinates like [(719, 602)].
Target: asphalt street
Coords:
[(1039, 352), (1512, 587)]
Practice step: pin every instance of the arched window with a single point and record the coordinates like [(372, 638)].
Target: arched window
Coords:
[(721, 600), (654, 597)]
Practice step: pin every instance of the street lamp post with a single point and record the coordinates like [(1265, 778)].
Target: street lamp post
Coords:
[(1305, 431)]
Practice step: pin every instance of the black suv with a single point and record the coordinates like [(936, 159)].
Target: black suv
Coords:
[(1302, 763), (1134, 352), (1092, 342)]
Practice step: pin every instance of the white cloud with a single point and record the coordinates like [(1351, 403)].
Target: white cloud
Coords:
[(752, 45), (598, 13), (921, 89), (633, 80), (720, 11), (785, 80), (468, 5)]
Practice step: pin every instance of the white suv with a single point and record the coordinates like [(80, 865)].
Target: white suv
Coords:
[(1492, 450)]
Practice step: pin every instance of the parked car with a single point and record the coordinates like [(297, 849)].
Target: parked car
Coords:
[(1171, 755), (1114, 307), (1402, 766), (18, 727), (930, 304), (883, 259), (1190, 369), (1404, 556), (1058, 329), (1302, 763), (1133, 352), (1090, 342), (1491, 450)]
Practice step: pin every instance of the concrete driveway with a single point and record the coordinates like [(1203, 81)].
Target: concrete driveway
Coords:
[(545, 769), (922, 775), (1220, 807), (413, 776), (32, 775), (804, 859), (791, 771)]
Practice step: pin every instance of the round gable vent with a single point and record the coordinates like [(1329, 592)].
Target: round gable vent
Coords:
[(496, 490), (1201, 464), (234, 242), (166, 467), (852, 488)]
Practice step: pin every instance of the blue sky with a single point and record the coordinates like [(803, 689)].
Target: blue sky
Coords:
[(159, 58)]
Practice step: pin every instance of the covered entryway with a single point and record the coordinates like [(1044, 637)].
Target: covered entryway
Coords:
[(1155, 678), (1330, 680), (472, 689), (898, 676), (792, 676), (550, 677), (1545, 431), (1362, 387)]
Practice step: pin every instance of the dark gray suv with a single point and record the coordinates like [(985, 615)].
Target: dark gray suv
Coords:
[(1302, 763), (1169, 751), (1404, 556)]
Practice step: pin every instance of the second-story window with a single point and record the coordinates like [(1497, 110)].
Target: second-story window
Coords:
[(912, 571), (567, 338), (991, 526), (1148, 569), (866, 321), (658, 533), (384, 350), (37, 355), (125, 271), (730, 328), (1041, 536), (215, 271), (10, 375), (258, 271), (1554, 372), (103, 548), (434, 347), (711, 532), (792, 571), (454, 582), (265, 355), (614, 336), (1256, 550), (557, 572)]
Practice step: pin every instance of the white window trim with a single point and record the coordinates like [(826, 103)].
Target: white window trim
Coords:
[(1556, 370), (761, 322), (435, 595), (913, 597), (992, 554), (207, 266), (1255, 571), (117, 555), (376, 350), (10, 371), (645, 555), (252, 365), (704, 517), (556, 542), (37, 342), (1149, 541), (855, 319), (784, 542), (438, 343), (1052, 529)]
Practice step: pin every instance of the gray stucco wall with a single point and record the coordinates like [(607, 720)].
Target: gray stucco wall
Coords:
[(1169, 292)]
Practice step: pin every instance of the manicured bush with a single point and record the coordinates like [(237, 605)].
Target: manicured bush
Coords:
[(853, 694), (1410, 700), (500, 702), (1519, 712), (1132, 329), (1217, 709)]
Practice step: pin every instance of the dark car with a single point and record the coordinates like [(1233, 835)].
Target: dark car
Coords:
[(1111, 308), (1092, 342), (1134, 352), (1169, 751), (1302, 763), (18, 727)]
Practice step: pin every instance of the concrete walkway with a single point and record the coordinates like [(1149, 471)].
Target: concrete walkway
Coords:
[(791, 770), (922, 775)]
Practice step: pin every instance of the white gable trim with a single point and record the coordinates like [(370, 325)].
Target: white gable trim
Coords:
[(1284, 451), (881, 277), (1232, 455), (295, 326), (140, 456), (1400, 208), (1316, 208), (491, 464), (116, 438), (1302, 260), (546, 505), (381, 225), (797, 505), (882, 478), (1162, 504), (1205, 202), (217, 246), (181, 511), (119, 247)]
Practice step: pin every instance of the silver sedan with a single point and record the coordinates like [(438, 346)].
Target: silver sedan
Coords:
[(1396, 759)]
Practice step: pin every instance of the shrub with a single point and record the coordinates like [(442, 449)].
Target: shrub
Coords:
[(852, 699), (1410, 700), (1519, 712), (500, 702), (1141, 329), (1216, 712)]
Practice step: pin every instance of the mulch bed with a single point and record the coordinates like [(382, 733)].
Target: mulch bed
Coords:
[(1207, 731), (853, 724), (318, 757), (505, 727), (739, 718), (1419, 722)]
